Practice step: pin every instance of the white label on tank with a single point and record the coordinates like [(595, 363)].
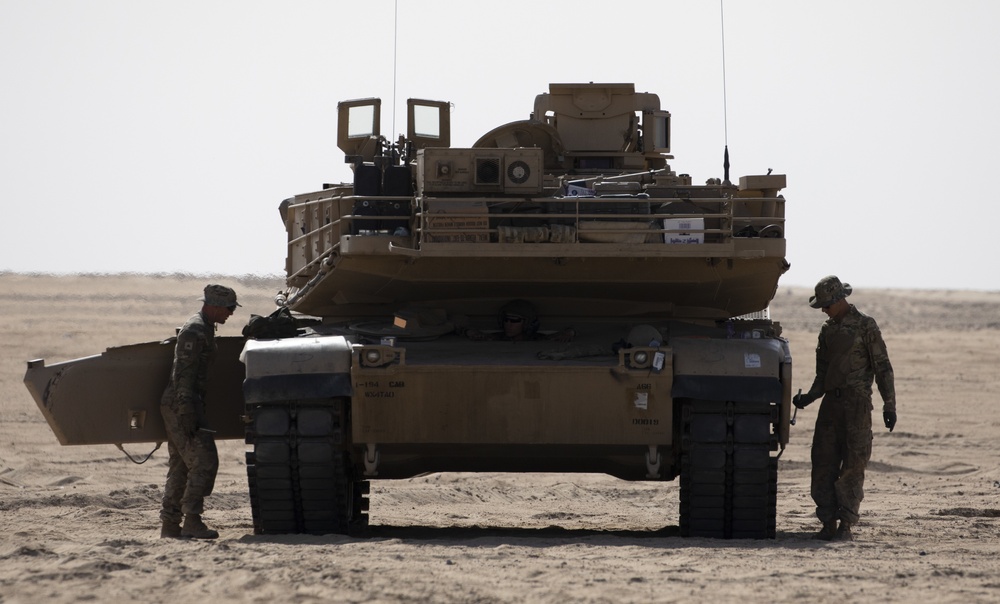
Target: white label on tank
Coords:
[(642, 400), (751, 360)]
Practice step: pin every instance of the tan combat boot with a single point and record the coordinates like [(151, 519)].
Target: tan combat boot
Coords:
[(844, 532), (828, 532), (194, 528), (170, 530)]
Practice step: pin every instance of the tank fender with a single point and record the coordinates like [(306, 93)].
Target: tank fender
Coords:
[(723, 370), (296, 368)]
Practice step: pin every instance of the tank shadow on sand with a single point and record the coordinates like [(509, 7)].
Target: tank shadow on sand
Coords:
[(668, 536)]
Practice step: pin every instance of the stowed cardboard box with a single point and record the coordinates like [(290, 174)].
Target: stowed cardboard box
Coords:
[(450, 221)]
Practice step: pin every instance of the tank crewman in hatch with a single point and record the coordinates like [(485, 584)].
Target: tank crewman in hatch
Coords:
[(849, 356), (194, 460), (518, 321)]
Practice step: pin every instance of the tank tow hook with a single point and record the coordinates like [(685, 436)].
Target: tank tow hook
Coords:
[(371, 459), (653, 462)]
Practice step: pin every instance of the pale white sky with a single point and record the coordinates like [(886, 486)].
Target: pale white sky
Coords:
[(162, 135)]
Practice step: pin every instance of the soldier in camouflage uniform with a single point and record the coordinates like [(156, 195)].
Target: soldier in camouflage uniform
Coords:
[(194, 459), (849, 357)]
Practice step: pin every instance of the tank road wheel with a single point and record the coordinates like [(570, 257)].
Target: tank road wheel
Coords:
[(300, 474), (729, 481)]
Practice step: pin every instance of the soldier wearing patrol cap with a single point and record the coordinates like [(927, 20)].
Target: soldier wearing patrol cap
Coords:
[(849, 357), (194, 459)]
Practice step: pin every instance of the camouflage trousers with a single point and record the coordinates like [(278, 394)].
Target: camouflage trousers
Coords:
[(192, 466), (842, 446)]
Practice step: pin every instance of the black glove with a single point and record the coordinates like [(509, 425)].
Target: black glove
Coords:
[(890, 419), (803, 400), (202, 424)]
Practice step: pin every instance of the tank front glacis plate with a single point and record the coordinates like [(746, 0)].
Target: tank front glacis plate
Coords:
[(511, 405)]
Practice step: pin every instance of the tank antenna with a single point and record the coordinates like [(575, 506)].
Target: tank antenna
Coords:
[(395, 35), (725, 103)]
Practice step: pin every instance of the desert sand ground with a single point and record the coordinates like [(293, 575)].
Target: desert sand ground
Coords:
[(80, 523)]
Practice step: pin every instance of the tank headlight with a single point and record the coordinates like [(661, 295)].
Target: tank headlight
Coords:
[(379, 356), (640, 357)]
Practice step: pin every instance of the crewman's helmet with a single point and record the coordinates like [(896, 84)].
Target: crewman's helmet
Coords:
[(520, 309)]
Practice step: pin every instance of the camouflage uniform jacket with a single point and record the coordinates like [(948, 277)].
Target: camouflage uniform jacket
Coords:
[(851, 355), (193, 355)]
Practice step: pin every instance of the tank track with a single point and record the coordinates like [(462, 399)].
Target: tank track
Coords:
[(729, 481), (300, 473)]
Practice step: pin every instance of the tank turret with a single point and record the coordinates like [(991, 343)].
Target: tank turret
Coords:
[(575, 207)]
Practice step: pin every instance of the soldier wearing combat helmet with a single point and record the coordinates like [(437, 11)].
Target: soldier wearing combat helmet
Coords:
[(194, 460), (849, 357), (518, 321)]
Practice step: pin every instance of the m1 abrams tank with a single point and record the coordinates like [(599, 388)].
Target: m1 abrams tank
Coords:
[(674, 370)]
